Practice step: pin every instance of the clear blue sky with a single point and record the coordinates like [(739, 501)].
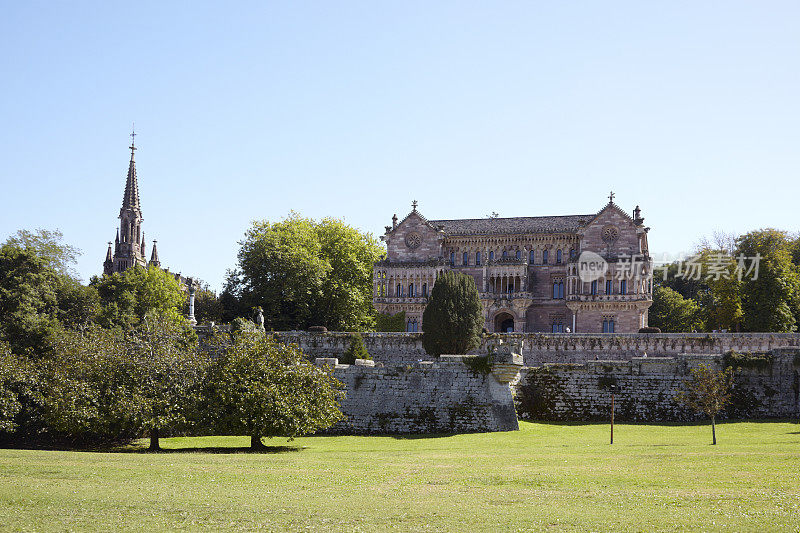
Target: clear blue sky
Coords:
[(352, 109)]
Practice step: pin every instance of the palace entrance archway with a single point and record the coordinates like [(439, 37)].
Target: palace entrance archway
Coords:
[(504, 323)]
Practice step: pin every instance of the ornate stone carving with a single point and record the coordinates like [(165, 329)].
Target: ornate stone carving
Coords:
[(413, 239), (610, 234)]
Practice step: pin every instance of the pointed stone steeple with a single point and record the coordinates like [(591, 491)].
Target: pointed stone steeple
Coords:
[(129, 242), (130, 200), (108, 264), (154, 255)]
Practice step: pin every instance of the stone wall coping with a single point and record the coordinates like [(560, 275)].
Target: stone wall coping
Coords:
[(506, 337), (365, 362), (457, 358)]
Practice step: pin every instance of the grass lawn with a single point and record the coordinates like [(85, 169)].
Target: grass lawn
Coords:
[(545, 476)]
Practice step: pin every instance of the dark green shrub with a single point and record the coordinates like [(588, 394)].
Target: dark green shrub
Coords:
[(388, 322), (757, 361), (356, 350), (242, 324), (453, 319), (605, 382), (479, 365)]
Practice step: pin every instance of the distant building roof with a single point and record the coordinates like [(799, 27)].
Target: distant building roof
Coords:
[(512, 226)]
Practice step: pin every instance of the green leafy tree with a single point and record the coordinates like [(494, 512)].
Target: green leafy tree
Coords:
[(305, 273), (261, 388), (388, 322), (720, 298), (47, 245), (356, 350), (90, 391), (708, 392), (168, 370), (453, 319), (14, 376), (672, 313), (674, 276), (109, 385), (771, 301), (207, 305), (36, 300), (126, 297), (28, 299)]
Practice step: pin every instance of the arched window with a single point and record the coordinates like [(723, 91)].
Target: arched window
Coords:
[(609, 286), (519, 255), (558, 290), (477, 258), (545, 254), (465, 259), (530, 257), (558, 257), (623, 286), (452, 259), (594, 288), (411, 293), (572, 254), (505, 254), (424, 289), (491, 255), (399, 290)]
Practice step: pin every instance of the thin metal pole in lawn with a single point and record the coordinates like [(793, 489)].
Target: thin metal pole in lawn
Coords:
[(613, 389)]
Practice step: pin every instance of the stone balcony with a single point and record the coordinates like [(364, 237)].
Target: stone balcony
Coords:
[(520, 295), (401, 300), (608, 297)]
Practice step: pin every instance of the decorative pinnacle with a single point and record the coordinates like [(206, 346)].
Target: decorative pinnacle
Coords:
[(414, 205), (611, 197)]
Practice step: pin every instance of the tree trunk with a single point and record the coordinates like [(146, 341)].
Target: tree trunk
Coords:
[(713, 431), (255, 443), (154, 447)]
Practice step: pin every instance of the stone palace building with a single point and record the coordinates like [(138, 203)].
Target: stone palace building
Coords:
[(580, 273)]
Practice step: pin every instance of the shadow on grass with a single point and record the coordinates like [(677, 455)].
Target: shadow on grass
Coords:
[(700, 422), (397, 436), (213, 449)]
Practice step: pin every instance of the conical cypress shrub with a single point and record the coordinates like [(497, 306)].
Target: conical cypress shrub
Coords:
[(453, 319), (357, 350)]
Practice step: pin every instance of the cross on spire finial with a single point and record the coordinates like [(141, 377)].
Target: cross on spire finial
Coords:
[(414, 205), (133, 138), (611, 197)]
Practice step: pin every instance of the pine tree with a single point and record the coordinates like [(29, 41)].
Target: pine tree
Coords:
[(357, 350)]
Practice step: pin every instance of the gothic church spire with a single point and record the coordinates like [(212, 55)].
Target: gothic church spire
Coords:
[(129, 242), (130, 200)]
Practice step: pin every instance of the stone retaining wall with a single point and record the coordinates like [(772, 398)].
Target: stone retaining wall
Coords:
[(648, 387), (452, 395)]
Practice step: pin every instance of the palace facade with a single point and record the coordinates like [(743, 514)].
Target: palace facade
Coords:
[(575, 273)]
